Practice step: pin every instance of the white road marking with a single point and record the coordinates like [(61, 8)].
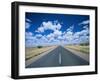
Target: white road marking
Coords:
[(59, 58)]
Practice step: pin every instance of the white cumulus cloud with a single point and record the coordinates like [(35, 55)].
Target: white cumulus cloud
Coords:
[(57, 33), (49, 25), (84, 22), (28, 20), (27, 23), (70, 28), (57, 36)]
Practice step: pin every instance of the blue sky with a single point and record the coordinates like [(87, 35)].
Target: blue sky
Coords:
[(55, 29)]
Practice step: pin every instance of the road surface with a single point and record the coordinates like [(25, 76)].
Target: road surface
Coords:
[(58, 57)]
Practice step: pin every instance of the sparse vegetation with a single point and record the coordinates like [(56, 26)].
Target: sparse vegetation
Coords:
[(34, 51), (82, 48), (84, 44)]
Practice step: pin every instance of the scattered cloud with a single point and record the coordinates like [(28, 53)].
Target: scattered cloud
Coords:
[(27, 23), (49, 25), (28, 20), (57, 33), (70, 28), (40, 29), (38, 35), (51, 35), (86, 26), (57, 36), (84, 22), (81, 36), (28, 34)]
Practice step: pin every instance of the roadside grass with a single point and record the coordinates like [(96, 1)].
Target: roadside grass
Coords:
[(34, 51), (84, 49)]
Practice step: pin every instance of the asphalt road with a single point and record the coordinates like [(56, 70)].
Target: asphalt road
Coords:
[(58, 57)]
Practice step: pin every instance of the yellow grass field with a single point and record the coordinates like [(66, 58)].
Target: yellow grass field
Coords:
[(33, 51), (84, 49)]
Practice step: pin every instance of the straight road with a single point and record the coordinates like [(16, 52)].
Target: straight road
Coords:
[(58, 57)]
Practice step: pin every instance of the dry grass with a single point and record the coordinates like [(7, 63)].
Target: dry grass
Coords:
[(32, 52), (84, 49)]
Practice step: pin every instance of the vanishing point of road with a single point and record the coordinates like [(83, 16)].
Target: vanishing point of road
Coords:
[(59, 56)]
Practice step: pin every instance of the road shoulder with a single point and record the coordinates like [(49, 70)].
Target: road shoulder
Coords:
[(33, 59), (80, 54)]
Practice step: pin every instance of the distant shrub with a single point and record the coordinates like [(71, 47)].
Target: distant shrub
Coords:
[(84, 44), (39, 46)]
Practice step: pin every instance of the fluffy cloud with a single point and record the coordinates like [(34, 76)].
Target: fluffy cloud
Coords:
[(70, 37), (67, 37), (49, 25), (57, 36), (38, 35), (57, 33), (54, 35), (35, 40), (70, 28), (68, 34), (30, 40), (28, 35), (84, 22), (51, 35), (28, 20), (40, 29), (81, 36), (27, 23)]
